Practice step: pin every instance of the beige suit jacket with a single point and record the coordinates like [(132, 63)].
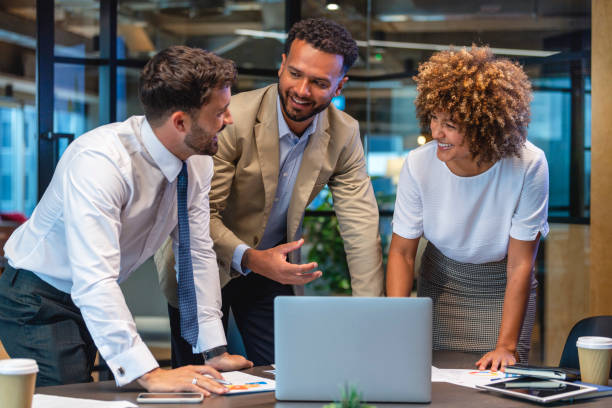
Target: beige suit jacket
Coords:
[(245, 180)]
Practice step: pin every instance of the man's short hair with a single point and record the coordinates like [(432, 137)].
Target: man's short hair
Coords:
[(181, 78), (325, 35)]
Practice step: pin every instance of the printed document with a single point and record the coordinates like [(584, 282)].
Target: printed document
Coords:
[(466, 378), (242, 383)]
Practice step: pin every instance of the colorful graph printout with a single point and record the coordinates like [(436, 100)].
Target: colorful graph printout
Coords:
[(489, 373), (242, 383), (466, 378)]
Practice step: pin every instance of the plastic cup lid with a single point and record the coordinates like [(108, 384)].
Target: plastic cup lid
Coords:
[(593, 342), (18, 366)]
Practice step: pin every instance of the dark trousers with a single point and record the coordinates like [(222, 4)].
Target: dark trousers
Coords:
[(40, 322), (251, 299)]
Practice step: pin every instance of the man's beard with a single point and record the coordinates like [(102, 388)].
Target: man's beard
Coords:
[(202, 142), (315, 110)]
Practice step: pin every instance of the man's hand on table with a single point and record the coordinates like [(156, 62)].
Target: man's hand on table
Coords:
[(183, 379), (272, 263), (229, 362), (498, 359)]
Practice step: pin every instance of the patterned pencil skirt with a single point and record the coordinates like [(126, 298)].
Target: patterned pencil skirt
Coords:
[(468, 301)]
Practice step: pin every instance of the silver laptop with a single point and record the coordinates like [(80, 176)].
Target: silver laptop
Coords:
[(380, 346)]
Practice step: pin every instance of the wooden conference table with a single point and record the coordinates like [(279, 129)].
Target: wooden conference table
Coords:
[(443, 394)]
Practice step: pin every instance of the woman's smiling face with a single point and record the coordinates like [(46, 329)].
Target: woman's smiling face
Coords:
[(453, 149)]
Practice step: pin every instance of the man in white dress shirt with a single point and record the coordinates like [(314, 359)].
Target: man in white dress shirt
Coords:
[(111, 203)]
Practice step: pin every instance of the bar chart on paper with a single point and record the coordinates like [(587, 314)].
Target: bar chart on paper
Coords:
[(242, 383)]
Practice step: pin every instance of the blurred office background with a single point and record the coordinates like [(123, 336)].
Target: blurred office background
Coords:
[(87, 56)]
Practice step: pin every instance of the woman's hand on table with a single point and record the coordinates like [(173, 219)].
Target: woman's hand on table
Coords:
[(497, 359), (183, 379)]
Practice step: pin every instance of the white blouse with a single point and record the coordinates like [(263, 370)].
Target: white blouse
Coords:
[(470, 219)]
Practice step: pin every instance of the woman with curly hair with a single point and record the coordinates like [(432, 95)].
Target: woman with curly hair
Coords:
[(479, 193)]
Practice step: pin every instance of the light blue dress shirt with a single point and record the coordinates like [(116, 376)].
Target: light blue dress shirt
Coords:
[(291, 149)]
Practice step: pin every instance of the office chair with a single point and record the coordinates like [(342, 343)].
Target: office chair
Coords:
[(590, 326)]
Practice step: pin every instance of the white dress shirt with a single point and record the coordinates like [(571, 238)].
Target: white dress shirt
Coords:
[(110, 205), (471, 219)]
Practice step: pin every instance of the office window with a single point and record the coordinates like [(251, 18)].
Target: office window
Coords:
[(394, 37), (127, 93), (550, 39), (7, 184), (30, 159), (77, 28), (6, 135), (18, 155), (76, 99)]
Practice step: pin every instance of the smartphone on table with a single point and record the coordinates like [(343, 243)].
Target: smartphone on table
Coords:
[(170, 397)]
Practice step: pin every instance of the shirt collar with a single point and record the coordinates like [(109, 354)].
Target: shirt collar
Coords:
[(168, 163), (283, 127)]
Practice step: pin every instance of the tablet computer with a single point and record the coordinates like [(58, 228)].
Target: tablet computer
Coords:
[(537, 389)]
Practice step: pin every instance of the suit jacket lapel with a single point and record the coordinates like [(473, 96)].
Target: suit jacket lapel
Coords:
[(267, 143), (313, 157)]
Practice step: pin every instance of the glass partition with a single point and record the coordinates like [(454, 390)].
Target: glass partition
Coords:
[(77, 28), (551, 39), (18, 153), (18, 135), (76, 105)]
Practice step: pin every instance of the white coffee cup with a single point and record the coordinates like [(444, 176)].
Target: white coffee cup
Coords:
[(594, 354), (17, 382)]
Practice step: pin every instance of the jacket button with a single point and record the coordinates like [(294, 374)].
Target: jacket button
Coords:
[(255, 240)]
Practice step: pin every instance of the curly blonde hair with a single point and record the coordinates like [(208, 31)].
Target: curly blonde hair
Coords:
[(487, 97)]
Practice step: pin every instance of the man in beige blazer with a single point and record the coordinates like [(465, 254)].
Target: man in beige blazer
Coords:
[(287, 142)]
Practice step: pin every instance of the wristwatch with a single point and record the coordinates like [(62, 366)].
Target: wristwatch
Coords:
[(213, 352)]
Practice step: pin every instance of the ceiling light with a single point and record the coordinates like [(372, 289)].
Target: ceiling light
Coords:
[(261, 34), (441, 47), (332, 6), (393, 18)]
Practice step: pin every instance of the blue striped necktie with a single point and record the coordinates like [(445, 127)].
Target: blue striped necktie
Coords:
[(186, 287)]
